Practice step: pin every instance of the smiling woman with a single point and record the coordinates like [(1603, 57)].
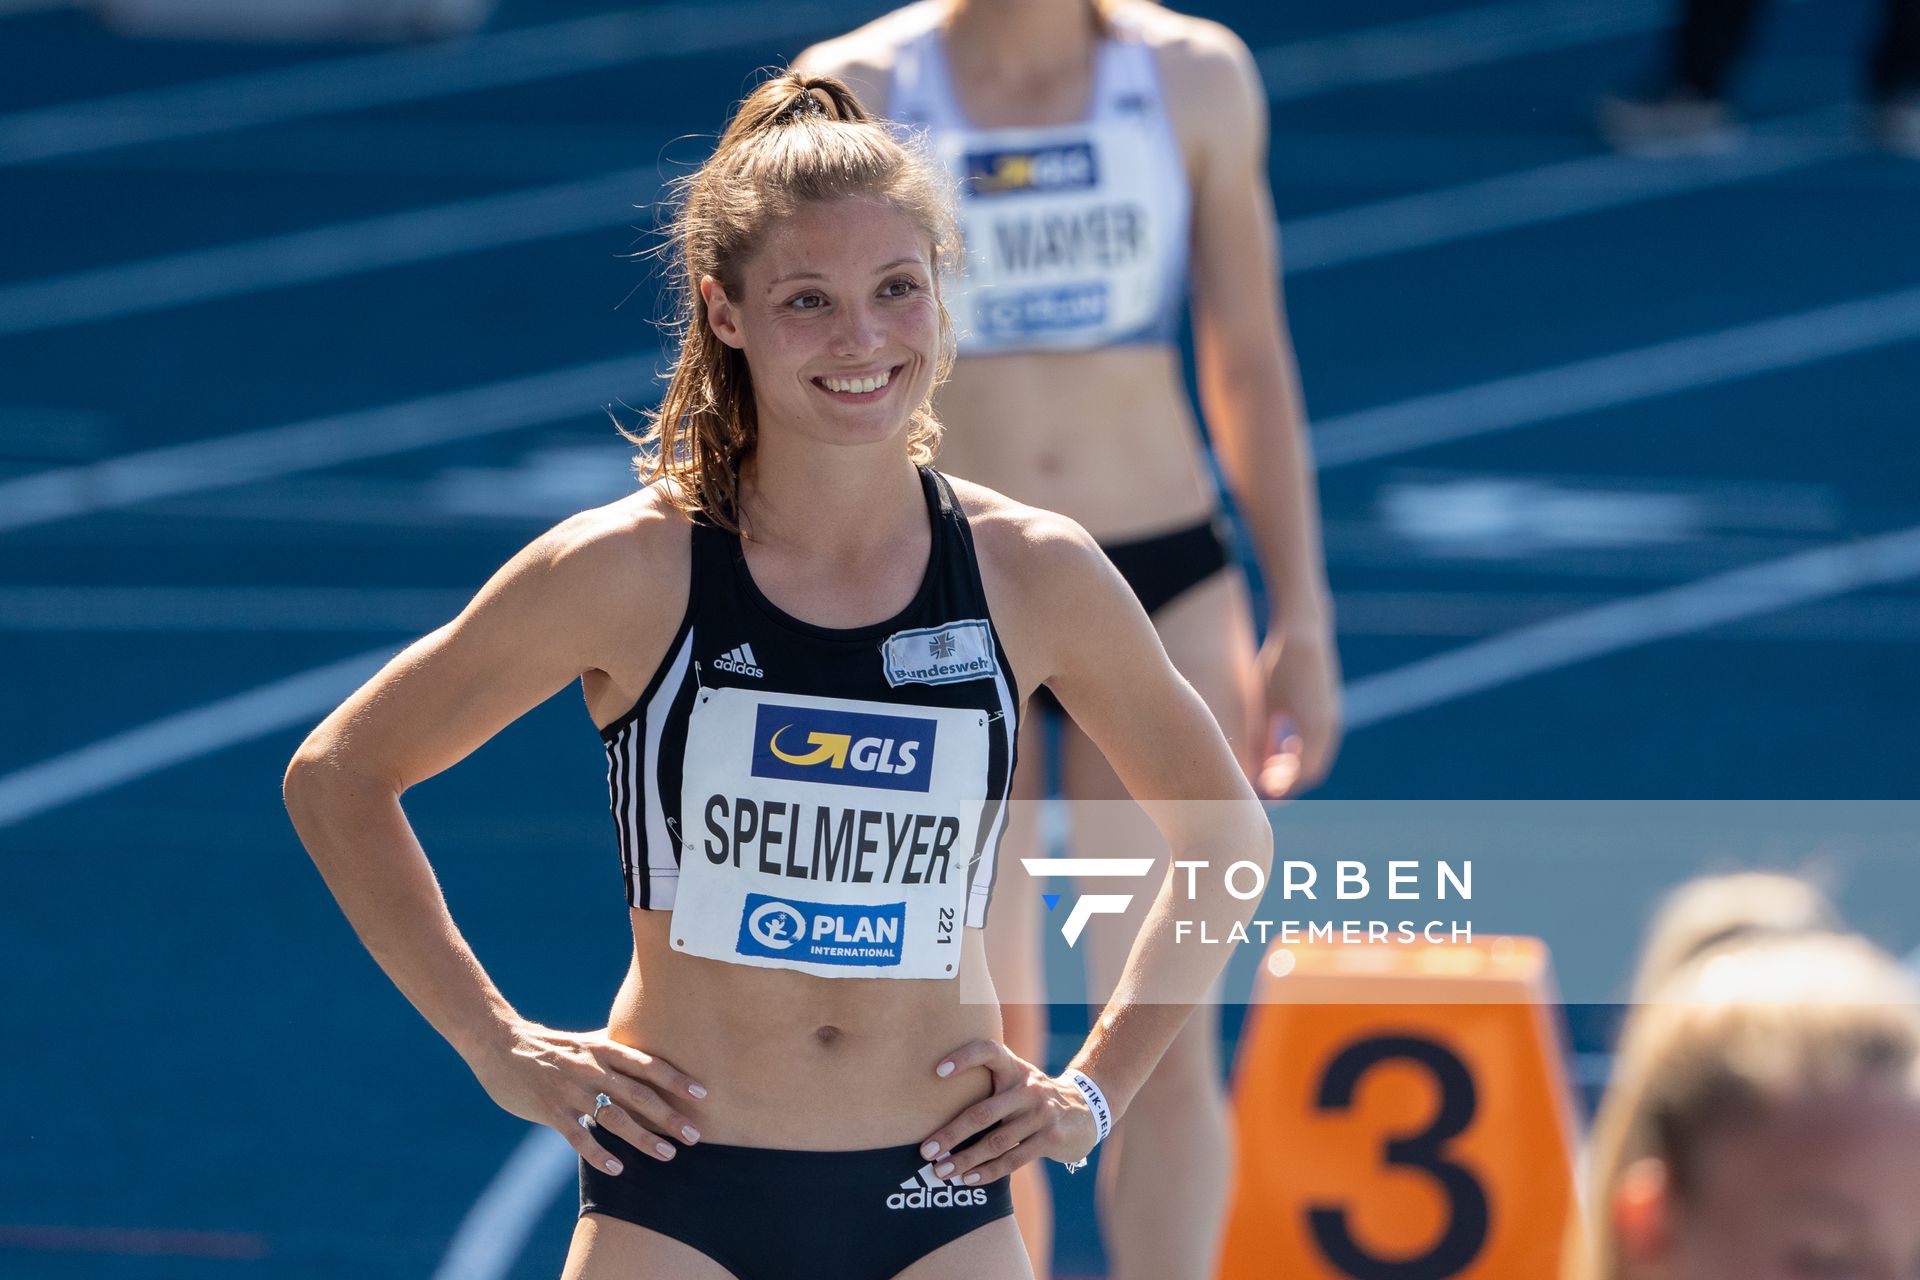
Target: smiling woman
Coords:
[(755, 201), (805, 650), (822, 352)]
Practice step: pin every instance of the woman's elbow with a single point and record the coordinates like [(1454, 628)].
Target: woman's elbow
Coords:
[(312, 761), (320, 777), (304, 785)]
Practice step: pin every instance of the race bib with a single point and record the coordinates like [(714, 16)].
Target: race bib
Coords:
[(1061, 248), (828, 835)]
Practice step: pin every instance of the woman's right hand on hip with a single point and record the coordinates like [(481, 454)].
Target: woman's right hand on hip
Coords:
[(555, 1077)]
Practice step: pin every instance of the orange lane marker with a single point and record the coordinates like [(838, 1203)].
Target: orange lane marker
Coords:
[(1403, 1112)]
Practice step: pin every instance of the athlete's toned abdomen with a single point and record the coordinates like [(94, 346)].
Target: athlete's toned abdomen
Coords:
[(800, 1062), (1103, 436)]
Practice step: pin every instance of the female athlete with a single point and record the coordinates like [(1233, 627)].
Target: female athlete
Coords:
[(807, 653)]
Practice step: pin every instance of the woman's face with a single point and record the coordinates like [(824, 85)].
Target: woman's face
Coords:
[(1823, 1189), (839, 322)]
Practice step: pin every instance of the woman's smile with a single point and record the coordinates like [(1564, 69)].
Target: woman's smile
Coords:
[(859, 388)]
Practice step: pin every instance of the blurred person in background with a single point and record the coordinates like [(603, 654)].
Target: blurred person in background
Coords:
[(1687, 112), (1112, 162), (1712, 911), (1763, 1122)]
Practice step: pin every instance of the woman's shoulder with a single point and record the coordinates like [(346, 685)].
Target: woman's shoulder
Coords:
[(634, 548), (1209, 78), (1168, 31), (646, 520), (1199, 58), (1030, 547)]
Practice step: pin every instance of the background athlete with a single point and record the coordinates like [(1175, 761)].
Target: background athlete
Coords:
[(1112, 158), (1762, 1121), (755, 1098)]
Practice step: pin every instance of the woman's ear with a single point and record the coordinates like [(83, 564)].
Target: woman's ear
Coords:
[(722, 317), (1642, 1212)]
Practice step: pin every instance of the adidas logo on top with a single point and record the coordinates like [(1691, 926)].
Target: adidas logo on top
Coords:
[(740, 662), (924, 1191)]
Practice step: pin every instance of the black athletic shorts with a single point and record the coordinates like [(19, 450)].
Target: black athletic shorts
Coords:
[(767, 1214)]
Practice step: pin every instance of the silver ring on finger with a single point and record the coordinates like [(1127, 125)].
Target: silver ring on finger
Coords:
[(600, 1103), (584, 1120)]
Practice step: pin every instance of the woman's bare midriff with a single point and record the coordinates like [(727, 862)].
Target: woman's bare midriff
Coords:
[(804, 1063), (1106, 437)]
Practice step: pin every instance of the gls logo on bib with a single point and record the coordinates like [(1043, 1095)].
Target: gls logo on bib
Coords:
[(851, 748), (1065, 167)]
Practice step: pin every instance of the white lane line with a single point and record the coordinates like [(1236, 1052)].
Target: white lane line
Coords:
[(1424, 220), (488, 61), (206, 609), (1472, 37), (383, 145), (1450, 42), (1530, 197), (321, 442), (412, 611), (189, 735), (1313, 243), (1592, 633), (1602, 382), (1472, 615), (327, 252), (496, 1228), (1606, 382)]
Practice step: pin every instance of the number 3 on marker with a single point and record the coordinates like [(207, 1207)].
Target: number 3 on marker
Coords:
[(1466, 1230)]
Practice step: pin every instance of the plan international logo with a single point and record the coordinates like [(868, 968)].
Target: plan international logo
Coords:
[(822, 932), (851, 748)]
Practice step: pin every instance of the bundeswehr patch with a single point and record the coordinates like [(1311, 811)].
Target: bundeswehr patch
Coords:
[(940, 655)]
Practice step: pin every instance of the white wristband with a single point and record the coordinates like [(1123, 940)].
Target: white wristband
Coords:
[(1102, 1113)]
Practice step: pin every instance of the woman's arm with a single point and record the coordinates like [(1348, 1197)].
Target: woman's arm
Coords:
[(558, 609), (1084, 635), (1169, 752), (1250, 393)]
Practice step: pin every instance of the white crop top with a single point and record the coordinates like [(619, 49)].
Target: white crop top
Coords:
[(1076, 235)]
